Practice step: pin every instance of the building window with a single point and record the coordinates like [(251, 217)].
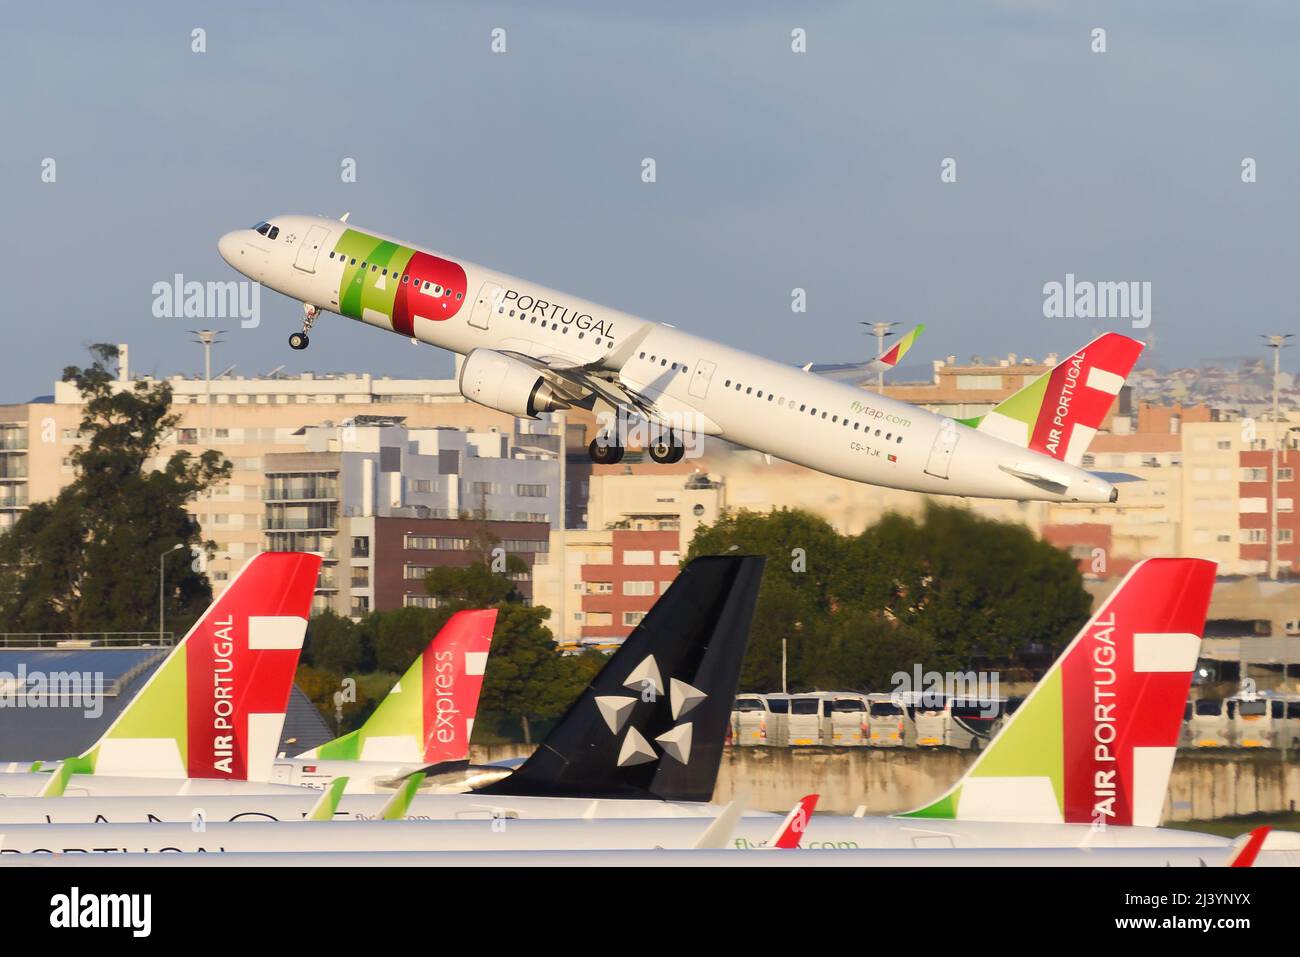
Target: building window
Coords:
[(531, 491), (360, 605), (422, 485), (361, 546), (599, 619), (638, 588), (633, 618), (631, 557)]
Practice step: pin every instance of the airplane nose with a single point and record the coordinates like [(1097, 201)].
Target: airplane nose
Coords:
[(230, 246)]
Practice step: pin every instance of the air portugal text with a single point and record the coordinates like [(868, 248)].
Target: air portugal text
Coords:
[(223, 705), (531, 306)]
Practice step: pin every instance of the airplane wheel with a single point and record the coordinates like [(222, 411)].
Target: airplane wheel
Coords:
[(299, 341), (667, 449), (603, 453)]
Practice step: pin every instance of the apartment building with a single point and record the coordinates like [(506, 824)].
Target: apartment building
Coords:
[(384, 504)]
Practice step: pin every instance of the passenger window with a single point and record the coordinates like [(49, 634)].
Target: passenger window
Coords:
[(353, 263)]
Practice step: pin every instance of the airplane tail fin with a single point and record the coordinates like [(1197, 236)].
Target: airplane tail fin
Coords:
[(428, 716), (1060, 411), (215, 707), (1094, 742), (651, 724), (895, 353)]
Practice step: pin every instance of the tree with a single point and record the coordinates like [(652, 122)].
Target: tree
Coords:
[(400, 635), (88, 559), (337, 645), (525, 676), (852, 610)]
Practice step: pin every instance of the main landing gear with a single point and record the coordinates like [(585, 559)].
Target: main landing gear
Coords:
[(666, 448), (603, 451), (300, 340)]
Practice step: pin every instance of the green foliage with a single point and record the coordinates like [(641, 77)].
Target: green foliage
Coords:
[(941, 592), (88, 559), (400, 635), (338, 645)]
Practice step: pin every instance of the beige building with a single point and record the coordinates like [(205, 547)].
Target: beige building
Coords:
[(246, 419)]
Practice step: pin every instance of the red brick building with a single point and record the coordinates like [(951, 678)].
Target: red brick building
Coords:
[(1256, 494), (405, 549), (642, 566)]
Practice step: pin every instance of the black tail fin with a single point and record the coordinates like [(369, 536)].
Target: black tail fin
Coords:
[(652, 723)]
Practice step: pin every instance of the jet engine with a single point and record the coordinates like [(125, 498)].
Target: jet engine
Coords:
[(507, 384)]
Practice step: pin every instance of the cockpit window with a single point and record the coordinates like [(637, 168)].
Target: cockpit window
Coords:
[(275, 231), (267, 230), (261, 227)]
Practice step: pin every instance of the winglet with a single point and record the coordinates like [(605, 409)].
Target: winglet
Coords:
[(344, 217), (618, 358), (792, 829), (400, 802), (328, 802), (719, 832), (1247, 847)]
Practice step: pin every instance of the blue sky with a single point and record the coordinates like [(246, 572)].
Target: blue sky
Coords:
[(775, 170)]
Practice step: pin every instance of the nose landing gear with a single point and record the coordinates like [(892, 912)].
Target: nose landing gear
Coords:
[(300, 340)]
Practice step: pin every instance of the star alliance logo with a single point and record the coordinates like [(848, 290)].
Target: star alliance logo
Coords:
[(615, 709)]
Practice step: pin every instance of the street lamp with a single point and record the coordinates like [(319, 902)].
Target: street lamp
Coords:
[(1277, 344), (161, 594)]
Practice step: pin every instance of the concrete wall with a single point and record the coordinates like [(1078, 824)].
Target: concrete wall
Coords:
[(1204, 785)]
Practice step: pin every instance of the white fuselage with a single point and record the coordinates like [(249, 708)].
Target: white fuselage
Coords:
[(695, 385), (825, 832)]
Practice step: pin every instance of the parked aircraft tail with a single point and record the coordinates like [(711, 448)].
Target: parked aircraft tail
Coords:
[(1094, 742), (651, 723), (428, 716), (215, 707)]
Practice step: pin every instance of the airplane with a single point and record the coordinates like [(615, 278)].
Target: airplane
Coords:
[(423, 724), (644, 739), (208, 720), (529, 350)]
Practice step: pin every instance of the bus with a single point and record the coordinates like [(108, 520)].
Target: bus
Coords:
[(964, 723), (1209, 724), (1263, 720), (887, 721)]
